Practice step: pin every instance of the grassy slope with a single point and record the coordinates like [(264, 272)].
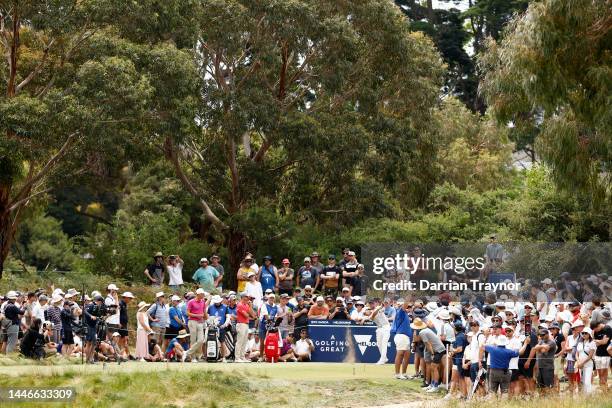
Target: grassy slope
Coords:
[(253, 385), (246, 385)]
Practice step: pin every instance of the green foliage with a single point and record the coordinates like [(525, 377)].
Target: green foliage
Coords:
[(552, 70), (473, 151), (44, 245)]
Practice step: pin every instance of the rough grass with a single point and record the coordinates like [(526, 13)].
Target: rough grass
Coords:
[(248, 385), (208, 385)]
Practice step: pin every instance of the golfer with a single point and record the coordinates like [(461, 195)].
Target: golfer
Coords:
[(403, 333), (383, 328)]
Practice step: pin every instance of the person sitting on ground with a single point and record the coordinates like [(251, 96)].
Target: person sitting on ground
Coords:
[(286, 352), (253, 344), (110, 350), (178, 346), (155, 351), (34, 344), (303, 348)]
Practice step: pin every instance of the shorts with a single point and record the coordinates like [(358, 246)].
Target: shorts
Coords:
[(473, 371), (67, 337), (427, 356), (601, 363), (526, 372), (91, 334), (171, 332), (222, 334), (460, 370), (402, 342), (437, 357), (546, 377)]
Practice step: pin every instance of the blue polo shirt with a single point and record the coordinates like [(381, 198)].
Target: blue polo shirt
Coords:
[(401, 324), (218, 311), (500, 356)]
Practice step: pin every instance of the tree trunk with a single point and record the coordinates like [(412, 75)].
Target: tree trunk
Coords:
[(5, 225), (237, 247)]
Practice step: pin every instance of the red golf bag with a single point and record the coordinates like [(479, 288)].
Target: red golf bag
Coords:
[(271, 347)]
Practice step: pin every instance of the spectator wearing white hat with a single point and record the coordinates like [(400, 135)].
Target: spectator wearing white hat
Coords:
[(358, 315), (197, 314), (54, 315), (12, 313), (585, 353), (254, 289), (206, 276), (142, 331), (319, 311), (159, 315), (177, 320), (112, 301), (175, 273)]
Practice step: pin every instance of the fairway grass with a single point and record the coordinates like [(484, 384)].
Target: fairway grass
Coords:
[(296, 385)]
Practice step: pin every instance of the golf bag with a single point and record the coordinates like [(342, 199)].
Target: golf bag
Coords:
[(230, 341), (213, 346), (271, 343)]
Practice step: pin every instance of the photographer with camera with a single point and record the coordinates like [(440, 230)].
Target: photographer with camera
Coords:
[(339, 312), (300, 316), (93, 312), (34, 343)]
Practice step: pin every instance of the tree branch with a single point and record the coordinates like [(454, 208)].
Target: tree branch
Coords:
[(33, 180), (172, 155), (36, 70)]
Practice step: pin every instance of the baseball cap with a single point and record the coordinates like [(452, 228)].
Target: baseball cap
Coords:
[(159, 294), (203, 260), (112, 286), (307, 287), (331, 256), (307, 259), (200, 291), (320, 299), (351, 253), (116, 334), (174, 297), (127, 295)]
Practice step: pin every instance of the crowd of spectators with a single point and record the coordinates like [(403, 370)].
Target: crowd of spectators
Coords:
[(465, 343)]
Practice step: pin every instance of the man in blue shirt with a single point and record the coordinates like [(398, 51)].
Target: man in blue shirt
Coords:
[(499, 374), (220, 312), (403, 334), (177, 318)]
